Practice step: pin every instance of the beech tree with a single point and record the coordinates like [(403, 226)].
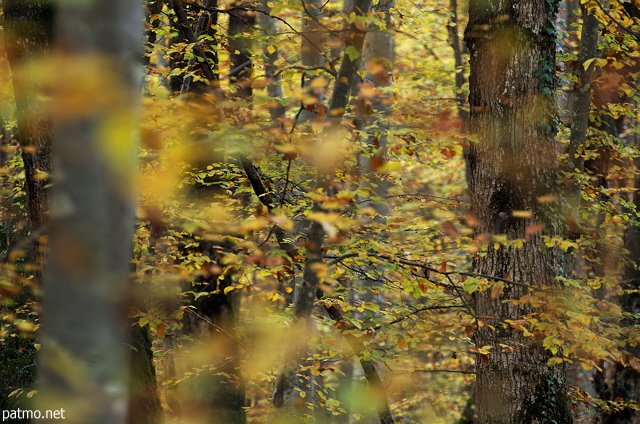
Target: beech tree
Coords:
[(513, 188), (84, 362)]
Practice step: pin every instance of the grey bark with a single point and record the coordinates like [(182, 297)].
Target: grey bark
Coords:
[(349, 65), (567, 17), (379, 397), (378, 58), (274, 89), (512, 50), (312, 53), (84, 363)]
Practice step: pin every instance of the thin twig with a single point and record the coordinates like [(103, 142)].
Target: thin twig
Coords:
[(416, 312), (451, 371), (443, 273)]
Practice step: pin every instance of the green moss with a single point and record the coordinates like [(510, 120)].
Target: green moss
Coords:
[(551, 404)]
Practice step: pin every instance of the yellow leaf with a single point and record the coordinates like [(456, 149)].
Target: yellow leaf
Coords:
[(590, 5), (319, 82), (548, 198), (555, 361), (271, 49), (522, 214), (274, 296), (586, 366), (25, 326)]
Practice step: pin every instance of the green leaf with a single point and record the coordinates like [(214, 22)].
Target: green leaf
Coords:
[(352, 52)]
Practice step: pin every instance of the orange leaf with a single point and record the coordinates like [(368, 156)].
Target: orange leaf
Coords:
[(496, 291), (448, 152), (443, 266), (532, 229), (160, 330), (402, 343)]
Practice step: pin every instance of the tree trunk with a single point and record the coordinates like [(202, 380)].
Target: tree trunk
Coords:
[(216, 394), (144, 406), (206, 23), (374, 113), (582, 101), (29, 27), (28, 30), (626, 386), (305, 292), (312, 54), (512, 165), (274, 89), (84, 363), (458, 47), (240, 22)]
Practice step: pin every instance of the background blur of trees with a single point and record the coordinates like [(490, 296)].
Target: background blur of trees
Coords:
[(308, 211)]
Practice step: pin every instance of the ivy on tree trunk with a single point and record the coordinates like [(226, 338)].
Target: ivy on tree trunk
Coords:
[(512, 166)]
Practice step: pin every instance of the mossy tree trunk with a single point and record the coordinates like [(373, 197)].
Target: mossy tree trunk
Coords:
[(512, 165)]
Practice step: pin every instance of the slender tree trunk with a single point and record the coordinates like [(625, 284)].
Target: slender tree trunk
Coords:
[(216, 394), (84, 360), (28, 33), (512, 50), (374, 112), (240, 23), (29, 27), (274, 89), (626, 386), (458, 48), (152, 9), (582, 101), (207, 66), (305, 292), (568, 44), (206, 23), (144, 406), (311, 54)]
